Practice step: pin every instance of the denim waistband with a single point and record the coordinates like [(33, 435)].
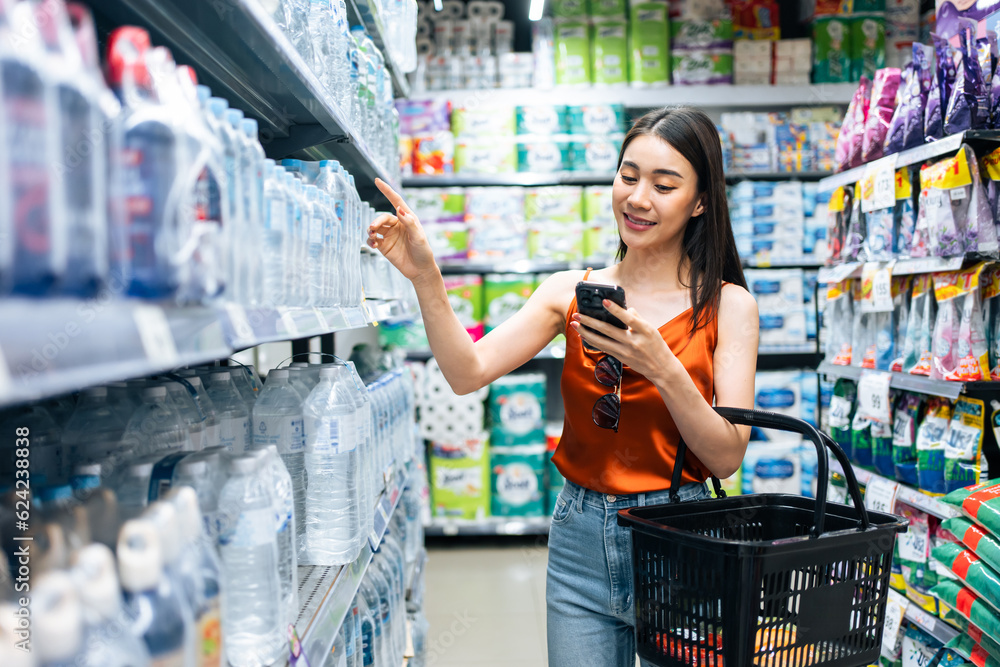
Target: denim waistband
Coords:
[(579, 496)]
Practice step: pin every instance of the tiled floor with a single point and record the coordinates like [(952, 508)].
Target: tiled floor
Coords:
[(485, 601)]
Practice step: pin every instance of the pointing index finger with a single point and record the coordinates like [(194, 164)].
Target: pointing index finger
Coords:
[(394, 198)]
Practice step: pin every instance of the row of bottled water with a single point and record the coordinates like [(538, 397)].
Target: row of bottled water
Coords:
[(349, 65), (149, 186)]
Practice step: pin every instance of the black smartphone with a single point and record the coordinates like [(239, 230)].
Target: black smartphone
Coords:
[(590, 298)]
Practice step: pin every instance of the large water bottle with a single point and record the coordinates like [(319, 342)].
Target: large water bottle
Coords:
[(331, 243), (354, 249), (255, 153), (182, 398), (199, 563), (372, 629), (332, 180), (163, 517), (154, 608), (294, 258), (198, 473), (315, 236), (277, 420), (367, 473), (297, 29), (234, 418), (210, 435), (247, 383), (95, 429), (318, 19), (234, 214), (58, 633), (333, 528), (132, 488), (96, 582), (156, 427), (284, 511), (275, 230), (383, 581), (251, 590)]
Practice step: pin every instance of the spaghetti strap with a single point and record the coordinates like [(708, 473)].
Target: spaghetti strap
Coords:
[(587, 274)]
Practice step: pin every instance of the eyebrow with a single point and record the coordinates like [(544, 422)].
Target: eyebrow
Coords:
[(665, 172)]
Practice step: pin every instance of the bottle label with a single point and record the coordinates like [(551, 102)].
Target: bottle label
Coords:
[(210, 635), (285, 433), (252, 528), (233, 433), (333, 435), (367, 643)]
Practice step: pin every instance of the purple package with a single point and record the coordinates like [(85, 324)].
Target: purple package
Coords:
[(880, 111), (933, 121), (909, 86), (423, 116), (947, 67), (978, 62), (984, 51), (963, 104), (849, 142)]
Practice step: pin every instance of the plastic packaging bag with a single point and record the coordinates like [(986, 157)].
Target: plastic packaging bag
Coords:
[(907, 415), (841, 416), (909, 87), (904, 213), (840, 311), (931, 436), (963, 104), (989, 283), (880, 111), (923, 311), (954, 208), (959, 344), (857, 232), (933, 117), (882, 441), (902, 287), (861, 333), (969, 605), (850, 140), (838, 219), (983, 543), (989, 168), (957, 497), (963, 451)]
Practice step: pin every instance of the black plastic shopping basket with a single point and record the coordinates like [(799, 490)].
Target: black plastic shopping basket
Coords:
[(765, 580)]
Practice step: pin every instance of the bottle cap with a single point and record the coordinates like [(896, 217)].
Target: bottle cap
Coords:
[(154, 392), (140, 563), (97, 583), (204, 93), (279, 374), (126, 48), (55, 493), (250, 127), (195, 469), (164, 517), (58, 618), (244, 464), (195, 381), (217, 106), (234, 117), (185, 502), (292, 165), (141, 469), (327, 372)]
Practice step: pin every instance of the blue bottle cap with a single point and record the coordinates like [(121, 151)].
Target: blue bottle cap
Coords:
[(217, 106), (204, 93), (234, 117), (292, 165), (250, 127)]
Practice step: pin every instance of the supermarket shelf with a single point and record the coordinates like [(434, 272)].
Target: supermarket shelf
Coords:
[(555, 351), (905, 381), (513, 266), (932, 625), (491, 526), (910, 496), (719, 97), (239, 51), (55, 346), (360, 12), (806, 263), (326, 592), (900, 267), (804, 348), (776, 175), (914, 155), (520, 178)]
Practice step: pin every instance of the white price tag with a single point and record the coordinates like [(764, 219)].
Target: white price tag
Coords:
[(154, 332), (880, 495), (878, 185), (288, 322), (239, 321), (873, 396), (922, 618), (895, 610), (882, 290)]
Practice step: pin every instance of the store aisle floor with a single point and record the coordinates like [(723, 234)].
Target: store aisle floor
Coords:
[(485, 601)]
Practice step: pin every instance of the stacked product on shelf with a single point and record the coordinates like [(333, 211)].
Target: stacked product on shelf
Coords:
[(780, 296), (802, 140), (196, 481), (518, 445), (778, 222), (851, 44)]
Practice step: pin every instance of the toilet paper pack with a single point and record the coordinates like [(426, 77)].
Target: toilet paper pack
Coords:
[(505, 294), (650, 45), (543, 119), (596, 119), (609, 45), (460, 479), (562, 203), (597, 153), (572, 41), (556, 242), (465, 295), (773, 467), (779, 391), (518, 480), (504, 203), (517, 409)]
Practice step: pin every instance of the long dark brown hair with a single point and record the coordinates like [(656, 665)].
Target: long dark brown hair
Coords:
[(708, 238)]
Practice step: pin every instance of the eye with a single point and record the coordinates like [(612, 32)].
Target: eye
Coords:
[(665, 188), (628, 179)]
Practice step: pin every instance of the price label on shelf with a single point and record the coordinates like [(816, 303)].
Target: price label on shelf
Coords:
[(880, 495), (878, 185), (895, 610), (873, 396), (154, 332), (922, 618), (882, 290)]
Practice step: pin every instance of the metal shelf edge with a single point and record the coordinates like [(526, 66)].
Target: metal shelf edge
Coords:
[(491, 526), (906, 494), (904, 381), (935, 627)]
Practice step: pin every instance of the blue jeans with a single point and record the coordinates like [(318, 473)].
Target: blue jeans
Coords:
[(588, 589)]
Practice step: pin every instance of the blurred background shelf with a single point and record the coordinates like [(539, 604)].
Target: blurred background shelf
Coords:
[(489, 526)]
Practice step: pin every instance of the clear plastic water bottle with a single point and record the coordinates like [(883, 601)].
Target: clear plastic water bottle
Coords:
[(163, 517), (234, 418), (278, 479), (156, 427), (275, 236), (132, 488), (199, 563), (332, 180), (210, 435), (153, 607), (58, 621), (252, 148), (369, 609), (95, 429), (252, 608), (278, 421), (314, 237), (297, 29), (96, 582), (333, 528), (349, 639), (234, 201), (197, 473), (368, 475), (301, 379), (194, 420), (247, 383), (293, 259), (384, 583), (319, 37)]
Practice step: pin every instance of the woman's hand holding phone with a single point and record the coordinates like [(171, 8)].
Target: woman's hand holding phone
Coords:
[(401, 238)]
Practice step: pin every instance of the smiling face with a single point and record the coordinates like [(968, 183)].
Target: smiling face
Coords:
[(655, 194)]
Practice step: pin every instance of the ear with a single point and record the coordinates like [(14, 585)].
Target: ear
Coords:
[(699, 207)]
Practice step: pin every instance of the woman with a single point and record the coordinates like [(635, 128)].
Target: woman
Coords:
[(691, 339)]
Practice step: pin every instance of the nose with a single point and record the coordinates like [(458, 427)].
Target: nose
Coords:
[(638, 198)]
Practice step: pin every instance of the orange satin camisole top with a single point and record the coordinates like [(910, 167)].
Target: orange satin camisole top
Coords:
[(640, 456)]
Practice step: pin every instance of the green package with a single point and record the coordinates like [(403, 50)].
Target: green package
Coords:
[(555, 242), (600, 242), (572, 41), (957, 497), (841, 416), (611, 8), (460, 480), (517, 409), (609, 52), (436, 204), (989, 644), (650, 45), (970, 568), (904, 437), (702, 67), (544, 119), (518, 475), (596, 118), (931, 436), (448, 240), (595, 153), (570, 8), (867, 45), (597, 205), (561, 203), (483, 155), (484, 120), (832, 49), (969, 605), (504, 295), (861, 440), (465, 294), (984, 544), (963, 448), (966, 647), (701, 33), (542, 155)]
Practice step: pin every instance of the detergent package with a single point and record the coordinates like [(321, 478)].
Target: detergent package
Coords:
[(959, 343)]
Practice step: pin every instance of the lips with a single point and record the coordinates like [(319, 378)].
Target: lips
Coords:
[(633, 222)]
